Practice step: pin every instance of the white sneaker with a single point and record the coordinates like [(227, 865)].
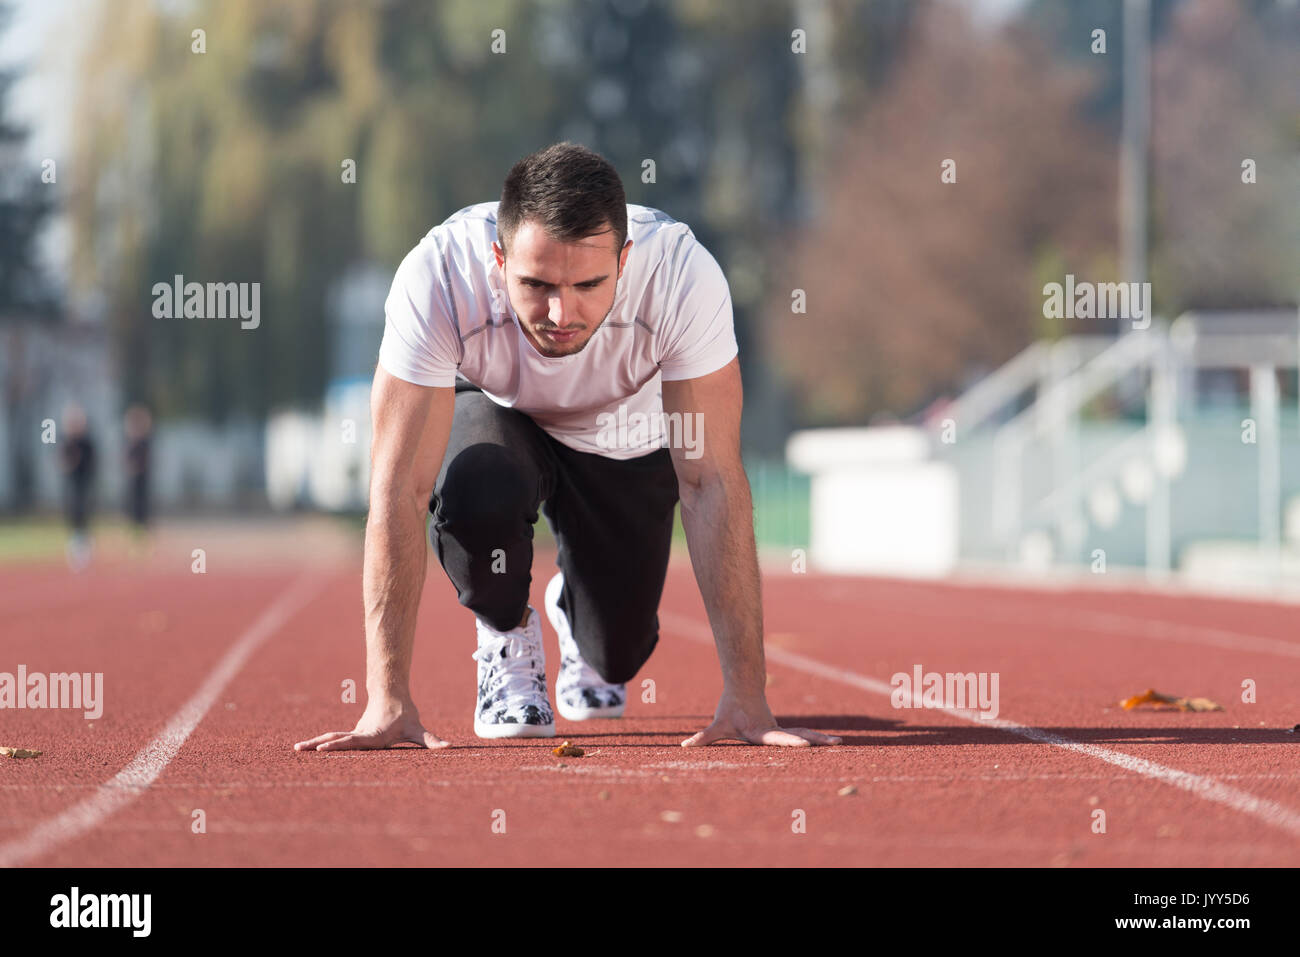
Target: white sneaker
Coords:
[(512, 699), (78, 552), (580, 692)]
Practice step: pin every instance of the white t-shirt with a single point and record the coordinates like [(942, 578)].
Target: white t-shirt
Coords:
[(448, 315)]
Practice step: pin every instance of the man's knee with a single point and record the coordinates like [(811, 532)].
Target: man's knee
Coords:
[(618, 650), (486, 488)]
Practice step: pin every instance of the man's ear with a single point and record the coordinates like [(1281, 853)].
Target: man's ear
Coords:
[(622, 259), (499, 253)]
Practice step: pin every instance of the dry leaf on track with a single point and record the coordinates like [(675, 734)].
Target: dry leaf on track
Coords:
[(1164, 702), (20, 753)]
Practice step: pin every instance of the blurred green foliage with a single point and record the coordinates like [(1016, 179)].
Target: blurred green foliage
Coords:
[(227, 165), (26, 204), (817, 171)]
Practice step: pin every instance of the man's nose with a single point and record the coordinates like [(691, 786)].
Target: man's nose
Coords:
[(560, 309)]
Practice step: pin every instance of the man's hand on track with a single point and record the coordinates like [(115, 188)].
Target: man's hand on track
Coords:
[(752, 722), (383, 725)]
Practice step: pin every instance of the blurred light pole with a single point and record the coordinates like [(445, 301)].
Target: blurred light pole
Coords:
[(1134, 135)]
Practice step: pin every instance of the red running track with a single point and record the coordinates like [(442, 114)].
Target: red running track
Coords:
[(932, 787)]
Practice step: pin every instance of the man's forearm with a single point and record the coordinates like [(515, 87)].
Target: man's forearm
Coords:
[(718, 518), (395, 563)]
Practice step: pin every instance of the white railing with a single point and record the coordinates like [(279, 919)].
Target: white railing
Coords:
[(1263, 342), (1055, 414), (1037, 366)]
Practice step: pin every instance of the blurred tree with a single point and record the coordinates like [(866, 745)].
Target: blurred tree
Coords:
[(226, 165), (26, 296), (1226, 89), (26, 203), (1068, 28), (911, 281)]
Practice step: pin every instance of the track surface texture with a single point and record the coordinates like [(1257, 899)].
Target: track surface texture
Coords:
[(210, 678)]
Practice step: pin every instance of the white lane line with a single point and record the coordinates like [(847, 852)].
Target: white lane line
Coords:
[(1270, 812), (1155, 629), (1162, 630), (133, 780)]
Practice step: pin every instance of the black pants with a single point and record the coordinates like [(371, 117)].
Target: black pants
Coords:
[(79, 504), (612, 520), (139, 499)]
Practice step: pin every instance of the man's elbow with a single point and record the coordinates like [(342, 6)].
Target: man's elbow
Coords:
[(395, 490), (695, 487), (689, 490)]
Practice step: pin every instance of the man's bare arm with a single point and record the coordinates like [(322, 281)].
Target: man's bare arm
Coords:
[(718, 516), (410, 427)]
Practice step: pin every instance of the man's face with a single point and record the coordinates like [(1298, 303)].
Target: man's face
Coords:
[(561, 292)]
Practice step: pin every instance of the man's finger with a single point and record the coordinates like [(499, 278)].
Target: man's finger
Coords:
[(351, 742), (783, 739), (710, 734), (319, 739), (816, 737)]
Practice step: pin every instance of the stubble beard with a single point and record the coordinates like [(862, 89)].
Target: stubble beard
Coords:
[(552, 352)]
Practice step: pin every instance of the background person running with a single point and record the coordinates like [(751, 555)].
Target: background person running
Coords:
[(138, 424), (77, 455), (514, 330)]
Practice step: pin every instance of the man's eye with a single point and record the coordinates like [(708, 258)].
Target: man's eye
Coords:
[(534, 284)]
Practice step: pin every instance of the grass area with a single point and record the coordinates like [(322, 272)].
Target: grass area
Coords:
[(780, 519), (45, 537), (781, 510), (32, 540)]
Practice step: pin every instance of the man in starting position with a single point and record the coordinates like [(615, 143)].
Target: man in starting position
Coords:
[(535, 354)]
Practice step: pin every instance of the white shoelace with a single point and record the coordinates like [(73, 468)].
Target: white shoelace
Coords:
[(510, 679)]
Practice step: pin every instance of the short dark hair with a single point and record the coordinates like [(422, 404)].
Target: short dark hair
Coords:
[(568, 190)]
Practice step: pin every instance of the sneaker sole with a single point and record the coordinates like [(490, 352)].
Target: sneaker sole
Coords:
[(514, 730)]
